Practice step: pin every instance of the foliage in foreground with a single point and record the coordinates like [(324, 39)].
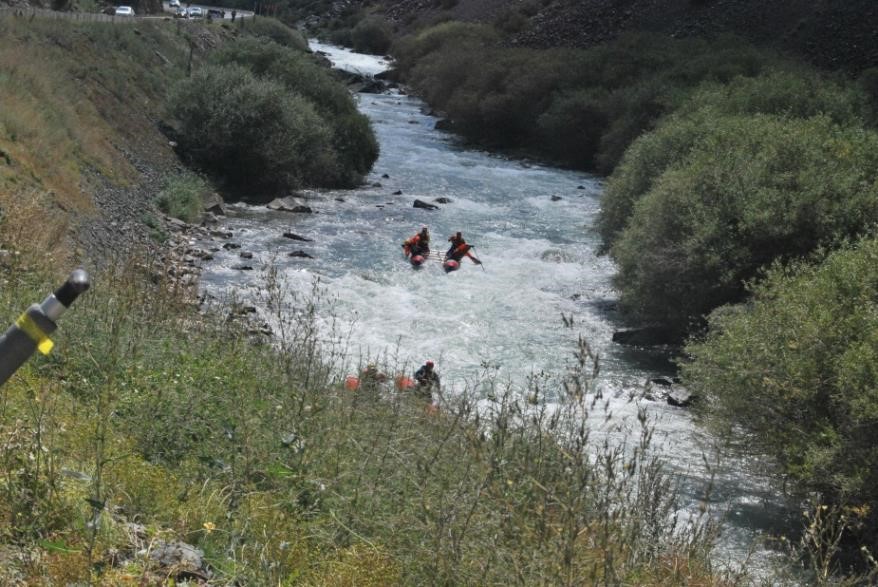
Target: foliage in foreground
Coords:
[(147, 413), (795, 374)]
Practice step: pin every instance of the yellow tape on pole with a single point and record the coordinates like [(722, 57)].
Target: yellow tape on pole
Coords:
[(36, 334)]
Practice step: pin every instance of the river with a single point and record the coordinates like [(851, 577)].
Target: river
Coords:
[(532, 226)]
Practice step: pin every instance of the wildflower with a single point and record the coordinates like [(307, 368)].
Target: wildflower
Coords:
[(209, 526)]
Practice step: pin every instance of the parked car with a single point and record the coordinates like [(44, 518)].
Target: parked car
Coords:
[(195, 12), (180, 12), (216, 13), (124, 11), (173, 3)]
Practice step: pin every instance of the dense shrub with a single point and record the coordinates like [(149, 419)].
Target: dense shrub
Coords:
[(251, 131), (754, 189), (372, 35), (277, 32), (353, 141), (351, 147), (579, 107), (788, 94), (794, 374)]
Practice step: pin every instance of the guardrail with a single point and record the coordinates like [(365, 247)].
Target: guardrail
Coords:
[(31, 13)]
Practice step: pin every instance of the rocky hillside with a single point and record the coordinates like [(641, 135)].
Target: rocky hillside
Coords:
[(830, 34)]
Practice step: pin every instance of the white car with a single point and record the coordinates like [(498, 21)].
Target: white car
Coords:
[(195, 12), (124, 11), (173, 3)]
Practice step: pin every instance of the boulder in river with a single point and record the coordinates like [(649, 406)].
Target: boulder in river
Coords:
[(397, 193), (443, 200), (230, 246), (288, 204), (296, 237), (213, 203), (424, 205), (556, 198), (680, 398), (301, 254), (647, 336), (444, 124)]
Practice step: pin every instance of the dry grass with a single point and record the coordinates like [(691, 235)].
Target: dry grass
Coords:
[(78, 99)]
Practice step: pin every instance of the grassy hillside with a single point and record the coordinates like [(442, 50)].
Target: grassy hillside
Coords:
[(149, 425), (90, 132), (81, 106)]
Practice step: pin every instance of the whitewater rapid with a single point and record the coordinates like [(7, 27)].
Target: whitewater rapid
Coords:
[(532, 226)]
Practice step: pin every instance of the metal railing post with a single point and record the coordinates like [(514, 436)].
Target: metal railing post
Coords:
[(32, 329)]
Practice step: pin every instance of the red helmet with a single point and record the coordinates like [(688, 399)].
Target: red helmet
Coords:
[(429, 363)]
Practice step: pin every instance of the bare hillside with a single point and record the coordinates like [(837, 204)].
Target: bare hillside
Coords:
[(830, 34)]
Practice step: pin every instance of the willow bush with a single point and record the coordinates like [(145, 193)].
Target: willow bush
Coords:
[(787, 94), (267, 118), (578, 107), (353, 141), (793, 375), (758, 189)]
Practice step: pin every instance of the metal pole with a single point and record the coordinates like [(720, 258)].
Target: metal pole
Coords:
[(32, 329)]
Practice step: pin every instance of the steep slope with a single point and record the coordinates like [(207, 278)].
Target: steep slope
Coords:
[(809, 28)]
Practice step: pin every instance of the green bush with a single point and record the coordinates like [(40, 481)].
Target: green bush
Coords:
[(353, 141), (253, 132), (372, 35), (182, 196), (278, 32), (309, 131), (794, 373), (579, 107), (752, 190), (644, 162), (788, 94)]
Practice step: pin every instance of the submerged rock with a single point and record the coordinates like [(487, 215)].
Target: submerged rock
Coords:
[(288, 204), (680, 398), (444, 124), (648, 336), (424, 205), (296, 237)]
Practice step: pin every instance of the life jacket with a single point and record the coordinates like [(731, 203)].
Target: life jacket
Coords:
[(418, 245), (460, 251)]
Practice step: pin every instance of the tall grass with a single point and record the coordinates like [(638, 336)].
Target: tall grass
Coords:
[(150, 413)]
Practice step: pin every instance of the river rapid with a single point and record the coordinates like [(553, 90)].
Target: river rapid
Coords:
[(532, 226)]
